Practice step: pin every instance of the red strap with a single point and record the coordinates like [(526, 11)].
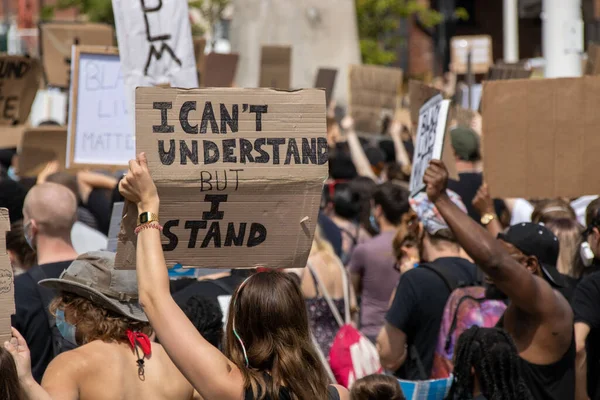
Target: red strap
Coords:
[(141, 339)]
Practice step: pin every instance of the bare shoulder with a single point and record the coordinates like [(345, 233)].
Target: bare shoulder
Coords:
[(343, 392)]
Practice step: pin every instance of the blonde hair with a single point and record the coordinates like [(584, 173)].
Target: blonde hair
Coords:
[(569, 233), (320, 245)]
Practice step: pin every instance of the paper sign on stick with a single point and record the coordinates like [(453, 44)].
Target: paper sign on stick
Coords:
[(326, 80), (220, 70), (155, 44), (39, 147), (374, 93), (419, 94), (480, 47), (100, 132), (19, 82), (56, 41), (7, 296), (276, 67), (239, 173), (430, 139), (541, 137)]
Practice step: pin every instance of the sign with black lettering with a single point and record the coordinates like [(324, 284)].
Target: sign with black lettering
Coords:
[(100, 131), (239, 173), (56, 40), (431, 132), (155, 43), (19, 83), (7, 296)]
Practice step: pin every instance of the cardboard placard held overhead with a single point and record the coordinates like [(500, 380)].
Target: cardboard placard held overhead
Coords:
[(326, 80), (11, 136), (276, 67), (480, 47), (115, 226), (19, 82), (239, 173), (39, 147), (504, 71), (419, 94), (199, 45), (100, 132), (431, 131), (374, 94), (541, 137), (7, 296), (220, 70), (56, 41), (592, 66), (155, 45)]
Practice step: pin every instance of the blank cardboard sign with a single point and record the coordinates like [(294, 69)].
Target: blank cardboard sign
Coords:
[(276, 67), (419, 94), (541, 137), (40, 146), (326, 80), (480, 47), (220, 70), (374, 92), (10, 136), (7, 297), (19, 82), (239, 173), (57, 39)]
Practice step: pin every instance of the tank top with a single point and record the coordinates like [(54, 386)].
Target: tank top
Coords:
[(553, 381)]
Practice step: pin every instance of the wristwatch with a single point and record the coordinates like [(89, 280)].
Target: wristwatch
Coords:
[(146, 217), (487, 218)]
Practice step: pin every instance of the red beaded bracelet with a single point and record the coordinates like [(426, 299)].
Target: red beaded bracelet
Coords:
[(148, 226)]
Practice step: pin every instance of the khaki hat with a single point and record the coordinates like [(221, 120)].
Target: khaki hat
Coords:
[(93, 276)]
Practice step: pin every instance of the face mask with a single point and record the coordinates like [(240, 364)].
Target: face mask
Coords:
[(12, 174), (373, 222), (27, 238), (66, 329)]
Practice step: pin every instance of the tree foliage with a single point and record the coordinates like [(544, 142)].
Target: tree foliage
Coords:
[(94, 10), (378, 23)]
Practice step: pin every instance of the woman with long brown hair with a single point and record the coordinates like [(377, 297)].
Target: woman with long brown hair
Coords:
[(268, 350), (10, 388)]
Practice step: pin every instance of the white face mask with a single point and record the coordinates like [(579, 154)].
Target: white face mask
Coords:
[(27, 238)]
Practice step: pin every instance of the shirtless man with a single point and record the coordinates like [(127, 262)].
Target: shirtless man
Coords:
[(522, 267), (97, 309)]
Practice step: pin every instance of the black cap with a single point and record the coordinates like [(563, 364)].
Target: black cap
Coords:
[(537, 240)]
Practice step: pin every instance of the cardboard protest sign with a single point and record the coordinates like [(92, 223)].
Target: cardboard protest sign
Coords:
[(155, 45), (541, 137), (433, 118), (115, 226), (239, 173), (40, 146), (56, 41), (276, 67), (100, 132), (199, 45), (7, 296), (374, 94), (19, 82), (504, 71), (419, 94), (326, 80), (220, 70), (10, 136), (480, 47), (592, 66)]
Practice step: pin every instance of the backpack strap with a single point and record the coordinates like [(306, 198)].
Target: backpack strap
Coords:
[(416, 359), (332, 307), (450, 282)]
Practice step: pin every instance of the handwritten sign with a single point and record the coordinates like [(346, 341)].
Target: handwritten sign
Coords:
[(56, 39), (431, 131), (19, 82), (100, 132), (239, 173), (7, 296), (155, 43)]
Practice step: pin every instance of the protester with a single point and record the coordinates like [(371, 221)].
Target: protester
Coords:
[(371, 264), (268, 350), (10, 388), (12, 197), (324, 266), (591, 238), (552, 209), (49, 214), (408, 339), (97, 309), (487, 367), (207, 317), (406, 243), (376, 387), (22, 256), (569, 234), (365, 187), (522, 268)]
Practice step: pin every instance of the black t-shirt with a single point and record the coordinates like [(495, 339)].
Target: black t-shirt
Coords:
[(586, 307), (31, 319), (467, 188), (210, 289), (418, 308)]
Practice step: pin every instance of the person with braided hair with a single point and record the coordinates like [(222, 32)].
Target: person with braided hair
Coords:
[(487, 367)]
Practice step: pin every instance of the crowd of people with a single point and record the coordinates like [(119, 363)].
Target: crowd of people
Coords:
[(500, 295)]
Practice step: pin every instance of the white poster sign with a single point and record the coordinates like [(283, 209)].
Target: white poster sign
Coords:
[(155, 42), (430, 139), (99, 129)]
